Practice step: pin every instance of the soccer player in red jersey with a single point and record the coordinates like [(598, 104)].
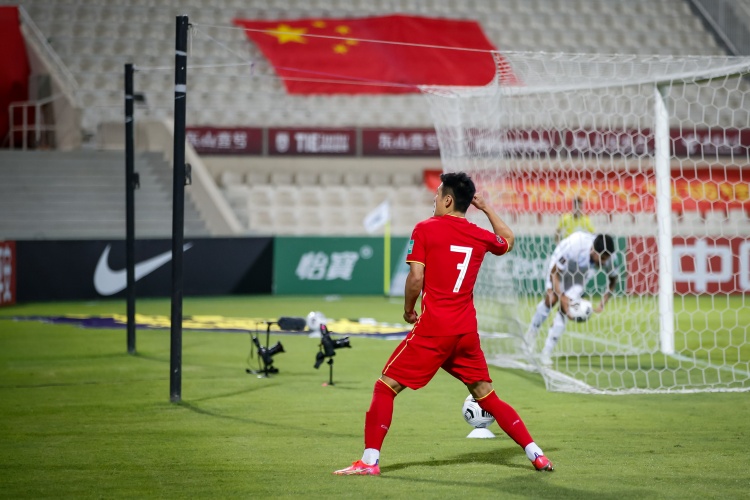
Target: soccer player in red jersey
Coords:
[(445, 254)]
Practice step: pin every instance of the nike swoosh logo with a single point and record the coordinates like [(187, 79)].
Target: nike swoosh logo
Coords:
[(108, 281)]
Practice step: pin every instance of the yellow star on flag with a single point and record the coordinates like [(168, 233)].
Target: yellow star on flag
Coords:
[(343, 30), (285, 33), (319, 24), (340, 48)]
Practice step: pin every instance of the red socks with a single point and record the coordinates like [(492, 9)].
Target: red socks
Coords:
[(378, 418), (506, 418)]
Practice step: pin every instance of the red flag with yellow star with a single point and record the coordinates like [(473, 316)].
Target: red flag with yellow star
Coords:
[(373, 55)]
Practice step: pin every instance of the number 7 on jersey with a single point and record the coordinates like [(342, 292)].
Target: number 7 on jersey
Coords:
[(463, 266)]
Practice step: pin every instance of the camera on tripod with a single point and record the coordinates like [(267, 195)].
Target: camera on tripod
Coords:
[(328, 346), (267, 354)]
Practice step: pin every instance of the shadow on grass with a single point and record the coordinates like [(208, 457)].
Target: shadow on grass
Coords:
[(148, 357), (534, 484), (501, 456), (267, 423)]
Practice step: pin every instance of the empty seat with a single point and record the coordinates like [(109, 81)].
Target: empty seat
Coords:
[(281, 178), (306, 178), (334, 196), (335, 221), (228, 178), (260, 196), (256, 178), (260, 219), (379, 194), (286, 196), (376, 178), (409, 195), (331, 178), (285, 220), (309, 222), (403, 179), (359, 196), (310, 196), (355, 178)]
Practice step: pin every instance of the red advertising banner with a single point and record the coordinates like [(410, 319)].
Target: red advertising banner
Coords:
[(485, 143), (226, 141), (551, 191), (400, 142), (314, 142), (7, 273), (700, 265)]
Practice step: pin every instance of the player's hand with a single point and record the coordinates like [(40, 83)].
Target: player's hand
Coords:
[(410, 317), (478, 201), (599, 308)]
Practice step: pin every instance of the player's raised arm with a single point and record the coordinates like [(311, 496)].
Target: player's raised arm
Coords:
[(499, 227)]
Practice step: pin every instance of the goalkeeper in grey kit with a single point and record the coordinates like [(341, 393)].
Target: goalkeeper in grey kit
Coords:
[(574, 261)]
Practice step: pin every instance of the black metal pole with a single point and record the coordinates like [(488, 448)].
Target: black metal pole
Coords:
[(130, 207), (178, 207)]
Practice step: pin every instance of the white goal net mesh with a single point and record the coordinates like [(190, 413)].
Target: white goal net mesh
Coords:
[(555, 127)]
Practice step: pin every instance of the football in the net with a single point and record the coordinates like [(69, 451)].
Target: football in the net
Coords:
[(475, 415), (581, 310)]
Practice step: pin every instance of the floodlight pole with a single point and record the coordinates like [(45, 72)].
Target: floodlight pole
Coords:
[(131, 183), (178, 208)]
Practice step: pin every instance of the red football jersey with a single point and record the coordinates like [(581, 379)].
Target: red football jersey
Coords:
[(452, 250)]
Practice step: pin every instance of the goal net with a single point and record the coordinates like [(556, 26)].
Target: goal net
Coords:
[(656, 148)]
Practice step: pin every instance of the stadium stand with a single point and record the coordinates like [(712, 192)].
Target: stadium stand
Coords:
[(53, 195), (94, 39)]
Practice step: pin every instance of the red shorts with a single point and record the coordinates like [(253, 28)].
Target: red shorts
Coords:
[(417, 359)]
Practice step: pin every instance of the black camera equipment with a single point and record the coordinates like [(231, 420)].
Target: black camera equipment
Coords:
[(328, 346), (266, 354)]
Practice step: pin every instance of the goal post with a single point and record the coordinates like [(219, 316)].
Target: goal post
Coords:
[(657, 147), (663, 176)]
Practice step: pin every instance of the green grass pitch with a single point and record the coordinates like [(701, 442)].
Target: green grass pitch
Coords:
[(80, 418)]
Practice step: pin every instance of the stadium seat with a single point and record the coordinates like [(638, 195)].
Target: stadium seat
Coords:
[(306, 178), (403, 179), (285, 220), (359, 196), (310, 197), (331, 178), (334, 196), (254, 178), (286, 196), (228, 178), (355, 178), (335, 220), (379, 194), (281, 178), (377, 178), (261, 196)]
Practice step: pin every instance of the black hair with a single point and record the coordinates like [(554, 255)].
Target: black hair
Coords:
[(604, 244), (461, 187)]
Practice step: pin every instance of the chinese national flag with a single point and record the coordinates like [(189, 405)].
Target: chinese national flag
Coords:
[(347, 56)]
